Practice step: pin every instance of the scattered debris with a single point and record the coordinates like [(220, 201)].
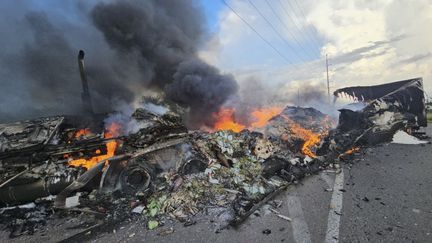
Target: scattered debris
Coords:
[(159, 170), (189, 222), (408, 94), (138, 209), (280, 215), (384, 110), (72, 201), (166, 231), (152, 224), (402, 137)]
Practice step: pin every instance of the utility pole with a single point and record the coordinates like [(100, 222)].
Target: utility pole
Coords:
[(298, 97), (328, 81)]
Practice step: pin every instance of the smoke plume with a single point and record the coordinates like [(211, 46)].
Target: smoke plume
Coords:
[(310, 94), (131, 47), (200, 87)]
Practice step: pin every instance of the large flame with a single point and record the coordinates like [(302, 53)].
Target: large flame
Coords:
[(310, 138), (225, 120), (263, 115), (112, 131)]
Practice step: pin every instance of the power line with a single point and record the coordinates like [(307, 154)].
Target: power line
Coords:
[(264, 39), (256, 32), (274, 29), (288, 30), (304, 16), (299, 26), (328, 80)]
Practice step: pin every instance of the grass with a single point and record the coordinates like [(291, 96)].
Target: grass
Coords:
[(429, 116)]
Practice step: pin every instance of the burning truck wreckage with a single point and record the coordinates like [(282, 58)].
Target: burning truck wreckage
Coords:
[(160, 170)]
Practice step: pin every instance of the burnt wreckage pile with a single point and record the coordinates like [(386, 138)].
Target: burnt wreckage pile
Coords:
[(377, 114), (161, 170)]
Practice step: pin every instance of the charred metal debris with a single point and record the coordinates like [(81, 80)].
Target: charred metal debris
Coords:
[(159, 170), (377, 113)]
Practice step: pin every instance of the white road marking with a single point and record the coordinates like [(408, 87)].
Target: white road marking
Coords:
[(333, 222), (327, 179), (300, 229)]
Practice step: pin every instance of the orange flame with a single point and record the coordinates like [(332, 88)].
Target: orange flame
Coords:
[(111, 146), (263, 115), (225, 120), (113, 130), (350, 151), (82, 132), (311, 139)]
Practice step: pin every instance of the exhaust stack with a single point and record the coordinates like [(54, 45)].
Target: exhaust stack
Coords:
[(85, 95)]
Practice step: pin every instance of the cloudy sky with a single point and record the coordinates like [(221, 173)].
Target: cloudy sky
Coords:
[(367, 42), (276, 49)]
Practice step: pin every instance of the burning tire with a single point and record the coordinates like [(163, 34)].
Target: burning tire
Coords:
[(192, 166), (129, 177)]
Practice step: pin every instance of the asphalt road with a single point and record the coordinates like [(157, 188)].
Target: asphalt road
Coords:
[(386, 196), (389, 196)]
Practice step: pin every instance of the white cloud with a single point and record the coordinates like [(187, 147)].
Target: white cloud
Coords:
[(368, 42)]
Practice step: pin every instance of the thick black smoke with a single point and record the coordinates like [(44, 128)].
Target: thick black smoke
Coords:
[(162, 37), (41, 70), (154, 36), (200, 87), (38, 66), (131, 46)]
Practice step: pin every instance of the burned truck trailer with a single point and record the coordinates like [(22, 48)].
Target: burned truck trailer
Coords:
[(406, 95), (378, 113)]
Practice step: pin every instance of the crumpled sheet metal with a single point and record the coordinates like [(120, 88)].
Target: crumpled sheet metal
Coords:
[(40, 181), (388, 108), (409, 94), (375, 124), (155, 127), (27, 134)]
